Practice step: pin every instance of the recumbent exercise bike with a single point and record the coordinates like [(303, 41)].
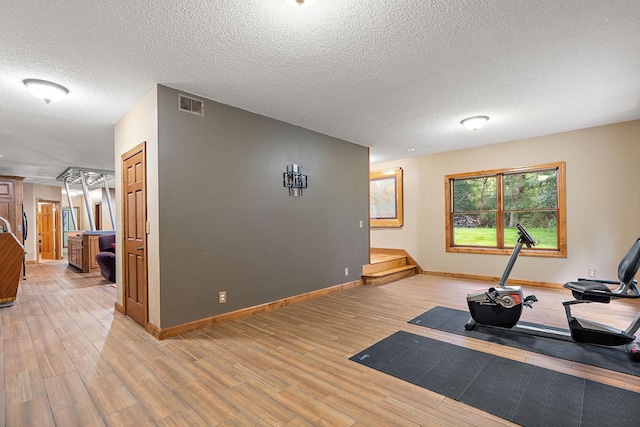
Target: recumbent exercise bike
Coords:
[(501, 306)]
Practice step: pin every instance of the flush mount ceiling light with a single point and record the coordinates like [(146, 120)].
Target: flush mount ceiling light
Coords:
[(475, 122), (48, 91), (300, 3)]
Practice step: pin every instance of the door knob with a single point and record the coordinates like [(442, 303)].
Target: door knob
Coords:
[(139, 248)]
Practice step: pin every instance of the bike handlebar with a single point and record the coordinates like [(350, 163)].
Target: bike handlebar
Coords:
[(525, 238)]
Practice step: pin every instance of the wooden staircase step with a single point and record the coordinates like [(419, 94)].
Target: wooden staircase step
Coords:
[(388, 265), (391, 271), (388, 276), (378, 258), (385, 264)]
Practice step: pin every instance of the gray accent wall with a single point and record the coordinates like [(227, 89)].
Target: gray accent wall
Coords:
[(226, 222)]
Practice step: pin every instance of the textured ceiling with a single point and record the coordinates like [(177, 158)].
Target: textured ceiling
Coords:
[(387, 74)]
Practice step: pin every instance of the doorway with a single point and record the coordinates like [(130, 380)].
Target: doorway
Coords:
[(49, 230), (97, 209), (134, 236)]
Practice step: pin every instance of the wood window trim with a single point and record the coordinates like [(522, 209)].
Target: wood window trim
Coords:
[(398, 220), (561, 252)]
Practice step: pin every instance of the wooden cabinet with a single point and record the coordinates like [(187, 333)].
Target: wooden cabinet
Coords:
[(82, 250), (11, 203), (74, 250), (12, 253), (94, 249)]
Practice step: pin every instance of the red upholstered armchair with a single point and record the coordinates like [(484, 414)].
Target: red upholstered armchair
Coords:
[(106, 258)]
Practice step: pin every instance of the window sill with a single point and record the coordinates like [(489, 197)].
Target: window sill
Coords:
[(545, 253)]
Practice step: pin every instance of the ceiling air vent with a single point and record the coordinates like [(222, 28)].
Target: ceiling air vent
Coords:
[(190, 105)]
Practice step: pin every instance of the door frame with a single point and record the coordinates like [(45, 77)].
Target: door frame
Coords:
[(97, 215), (57, 225), (140, 148)]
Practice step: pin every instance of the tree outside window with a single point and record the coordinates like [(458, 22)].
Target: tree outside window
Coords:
[(484, 207)]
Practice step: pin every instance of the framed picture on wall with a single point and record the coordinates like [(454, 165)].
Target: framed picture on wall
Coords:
[(385, 198)]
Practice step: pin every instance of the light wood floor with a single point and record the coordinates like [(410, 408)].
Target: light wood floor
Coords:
[(68, 360)]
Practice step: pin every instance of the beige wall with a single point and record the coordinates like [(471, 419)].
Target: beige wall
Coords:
[(78, 202), (603, 201), (140, 124), (104, 208), (32, 193), (97, 195)]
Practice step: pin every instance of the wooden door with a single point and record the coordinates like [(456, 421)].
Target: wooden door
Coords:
[(134, 209), (39, 222), (96, 216), (48, 231)]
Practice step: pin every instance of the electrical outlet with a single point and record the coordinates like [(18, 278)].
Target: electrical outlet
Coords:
[(346, 271), (360, 223), (222, 297), (592, 274)]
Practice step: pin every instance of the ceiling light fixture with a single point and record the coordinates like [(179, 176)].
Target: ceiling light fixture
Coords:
[(475, 122), (300, 3), (48, 91)]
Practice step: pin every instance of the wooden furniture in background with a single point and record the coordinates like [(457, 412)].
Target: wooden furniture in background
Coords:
[(11, 203), (11, 254), (74, 250), (82, 250)]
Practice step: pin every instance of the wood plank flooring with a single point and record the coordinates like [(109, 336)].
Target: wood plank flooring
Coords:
[(67, 359)]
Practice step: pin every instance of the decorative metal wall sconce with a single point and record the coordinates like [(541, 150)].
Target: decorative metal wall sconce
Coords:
[(294, 180)]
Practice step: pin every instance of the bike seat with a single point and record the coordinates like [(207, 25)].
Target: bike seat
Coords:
[(590, 291), (597, 291)]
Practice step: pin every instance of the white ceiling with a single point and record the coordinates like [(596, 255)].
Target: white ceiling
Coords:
[(388, 74)]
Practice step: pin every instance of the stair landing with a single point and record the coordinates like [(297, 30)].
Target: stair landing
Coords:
[(388, 265)]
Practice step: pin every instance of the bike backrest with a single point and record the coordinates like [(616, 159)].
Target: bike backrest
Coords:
[(630, 263)]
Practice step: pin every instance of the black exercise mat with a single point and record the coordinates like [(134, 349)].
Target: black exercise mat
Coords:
[(612, 358), (524, 394)]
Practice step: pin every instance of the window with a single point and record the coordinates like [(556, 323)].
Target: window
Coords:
[(483, 209)]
